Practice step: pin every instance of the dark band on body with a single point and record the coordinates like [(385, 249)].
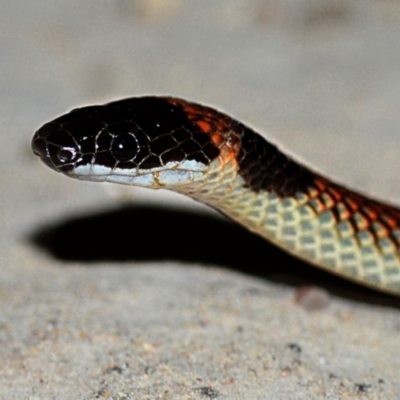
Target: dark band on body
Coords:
[(264, 167), (261, 164)]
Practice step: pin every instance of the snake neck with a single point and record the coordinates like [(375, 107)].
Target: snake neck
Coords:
[(324, 224)]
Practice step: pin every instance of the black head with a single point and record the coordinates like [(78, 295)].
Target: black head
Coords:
[(143, 132)]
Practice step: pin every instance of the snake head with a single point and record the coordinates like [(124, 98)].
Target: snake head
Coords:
[(145, 141)]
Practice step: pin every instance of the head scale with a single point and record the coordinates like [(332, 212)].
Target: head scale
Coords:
[(125, 139)]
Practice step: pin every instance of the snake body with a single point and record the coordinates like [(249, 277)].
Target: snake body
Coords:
[(169, 143)]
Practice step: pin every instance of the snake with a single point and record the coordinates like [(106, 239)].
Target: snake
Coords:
[(162, 142)]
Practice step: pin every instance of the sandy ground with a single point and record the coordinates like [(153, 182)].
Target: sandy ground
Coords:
[(87, 312)]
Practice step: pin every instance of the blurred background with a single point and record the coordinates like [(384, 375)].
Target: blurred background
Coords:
[(319, 77)]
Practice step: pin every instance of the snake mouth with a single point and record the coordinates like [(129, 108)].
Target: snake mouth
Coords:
[(172, 174)]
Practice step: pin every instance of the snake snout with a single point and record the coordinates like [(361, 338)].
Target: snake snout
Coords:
[(56, 147), (39, 146)]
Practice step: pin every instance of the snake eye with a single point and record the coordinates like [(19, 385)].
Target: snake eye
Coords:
[(124, 147), (66, 155)]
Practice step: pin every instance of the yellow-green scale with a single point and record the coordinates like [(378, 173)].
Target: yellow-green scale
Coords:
[(293, 224)]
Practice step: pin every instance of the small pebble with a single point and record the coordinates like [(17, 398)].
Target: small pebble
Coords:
[(312, 298)]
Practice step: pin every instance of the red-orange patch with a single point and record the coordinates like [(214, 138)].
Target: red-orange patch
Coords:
[(390, 221), (353, 204), (335, 193), (204, 126), (371, 214), (217, 139), (328, 201), (320, 184), (318, 206), (362, 222), (226, 156)]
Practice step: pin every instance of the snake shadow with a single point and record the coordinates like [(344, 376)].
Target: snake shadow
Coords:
[(127, 234)]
